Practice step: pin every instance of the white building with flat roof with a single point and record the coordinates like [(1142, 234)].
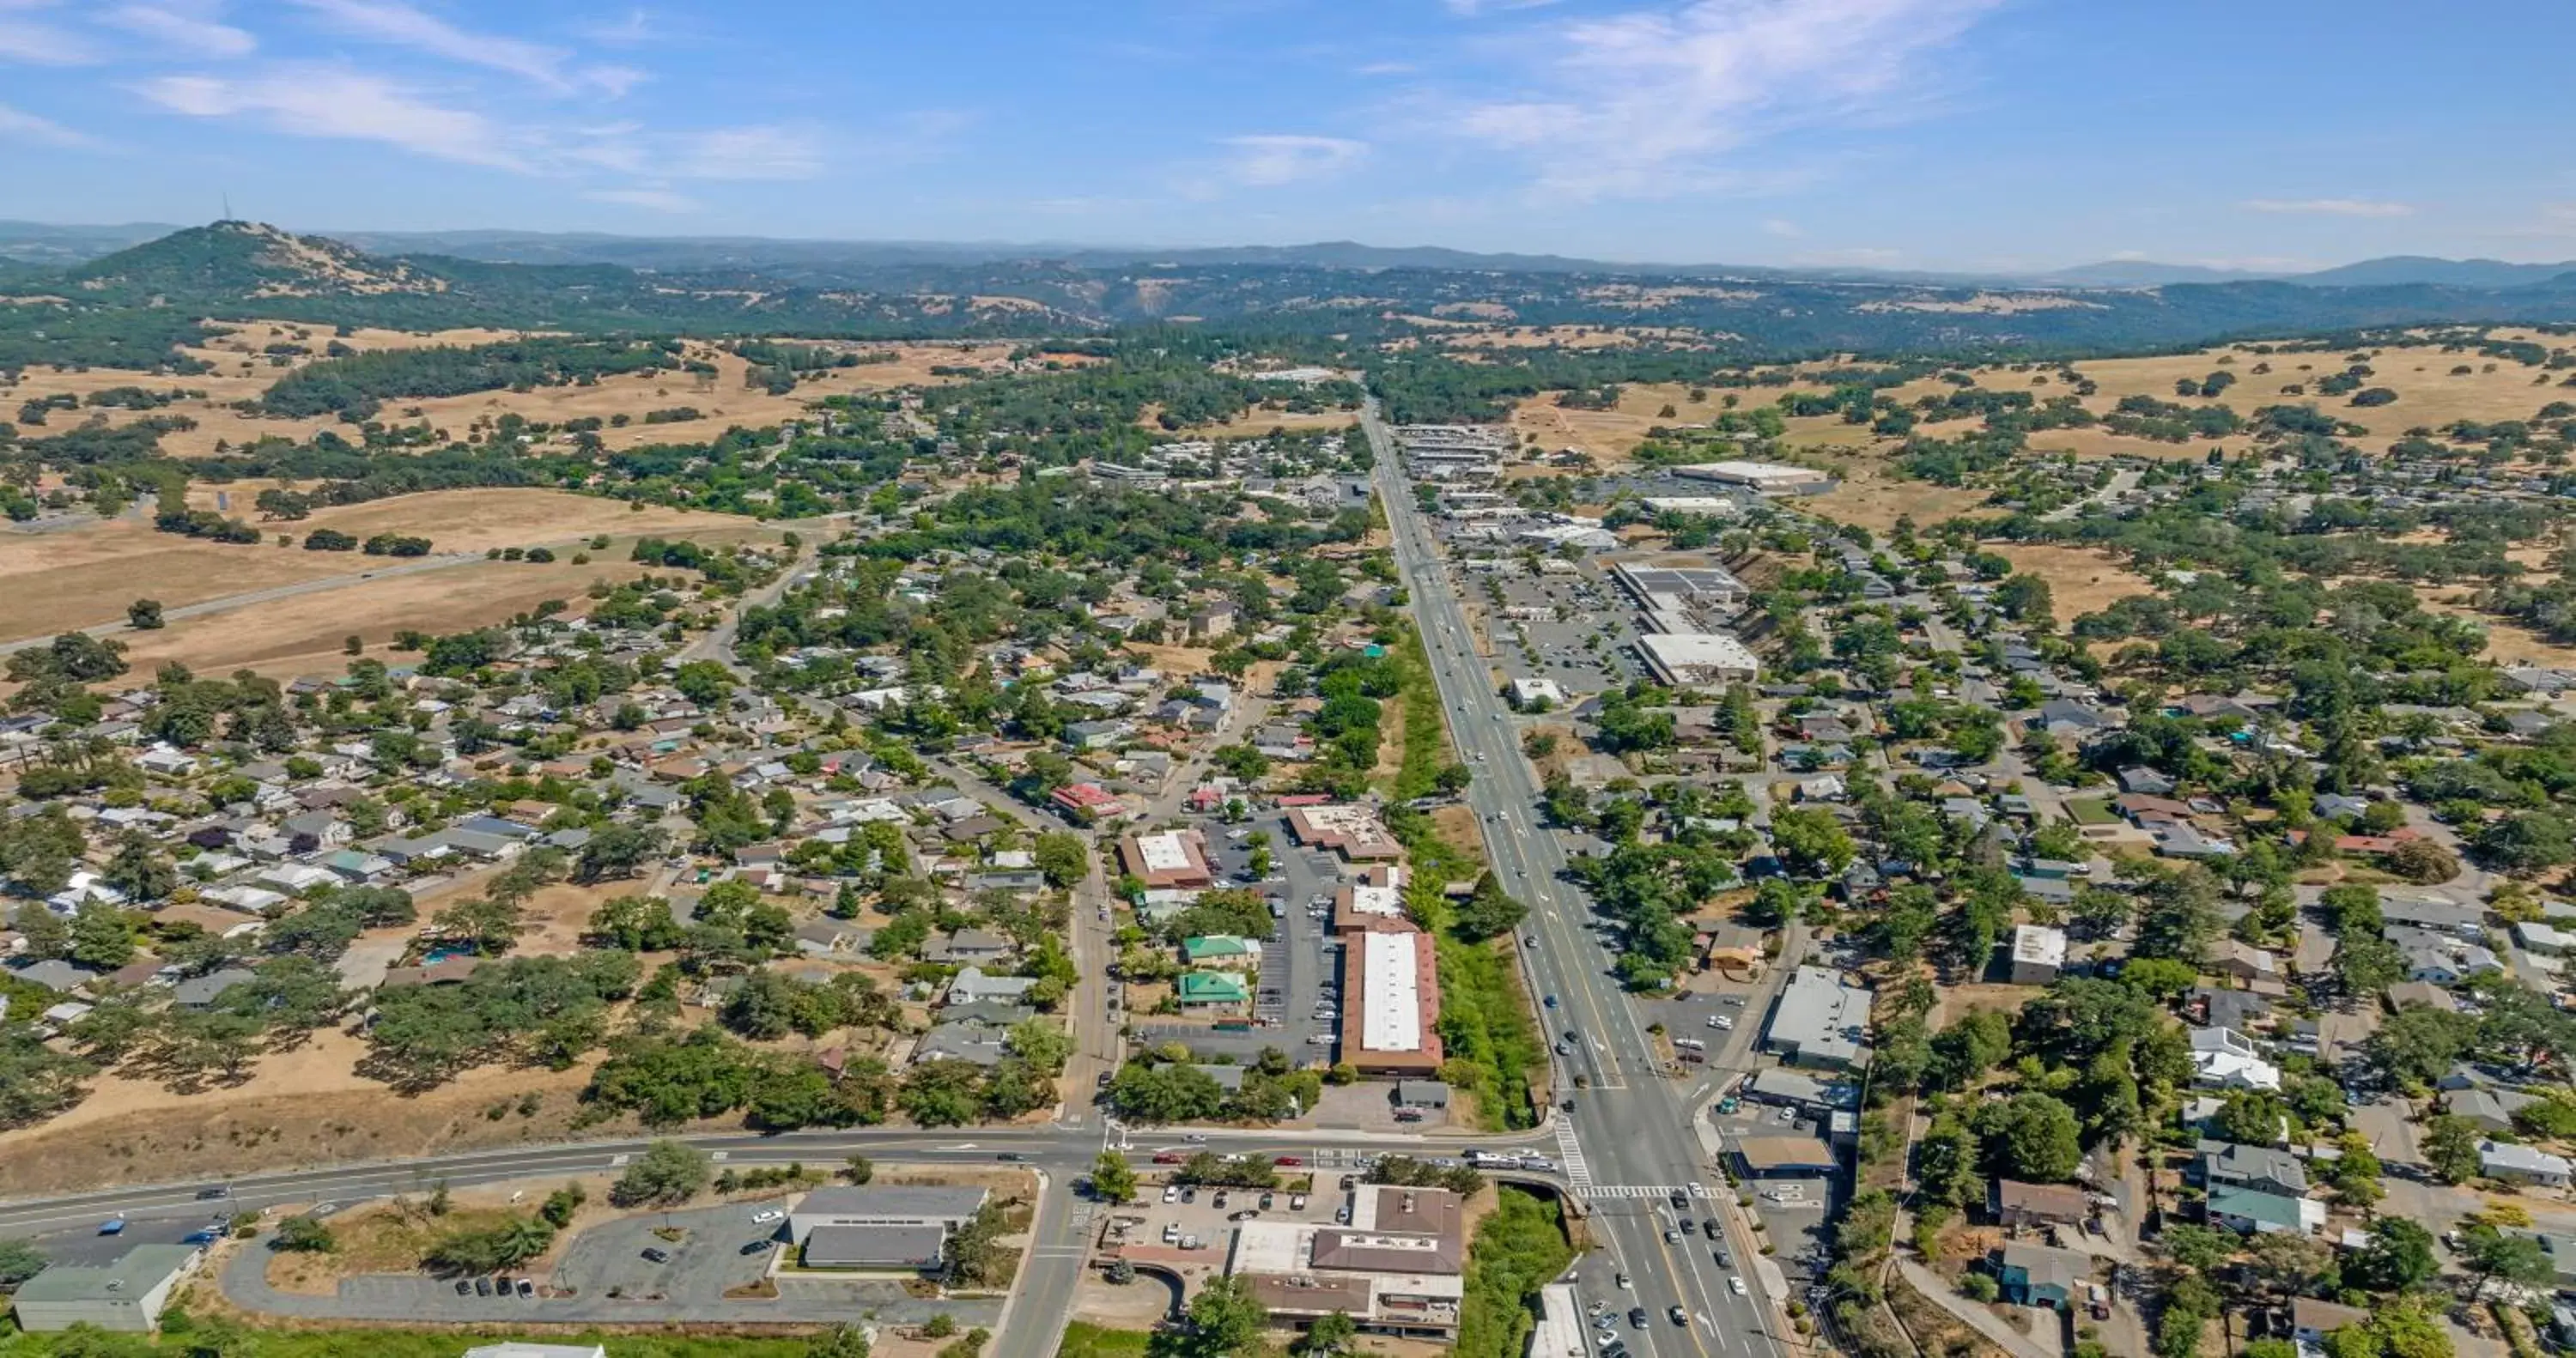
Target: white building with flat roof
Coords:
[(1705, 506), (1766, 478), (1684, 659), (2038, 954), (1528, 693), (1559, 1331)]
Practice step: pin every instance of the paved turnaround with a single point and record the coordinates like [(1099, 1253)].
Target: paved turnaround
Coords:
[(1629, 1142)]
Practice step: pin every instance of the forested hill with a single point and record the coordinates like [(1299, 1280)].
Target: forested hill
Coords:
[(127, 308)]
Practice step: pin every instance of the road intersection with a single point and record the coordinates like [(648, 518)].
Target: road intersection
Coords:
[(1626, 1148)]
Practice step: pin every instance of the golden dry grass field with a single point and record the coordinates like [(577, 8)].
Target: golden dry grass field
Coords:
[(2081, 579), (241, 375), (86, 576)]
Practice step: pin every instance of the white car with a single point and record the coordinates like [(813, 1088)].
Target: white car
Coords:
[(1721, 1021), (767, 1217), (1735, 1285)]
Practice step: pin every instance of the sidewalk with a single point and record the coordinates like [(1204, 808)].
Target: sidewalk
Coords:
[(1973, 1314)]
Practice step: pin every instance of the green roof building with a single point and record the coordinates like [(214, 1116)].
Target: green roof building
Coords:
[(1220, 950), (1200, 988)]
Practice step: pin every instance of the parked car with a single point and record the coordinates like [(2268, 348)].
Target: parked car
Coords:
[(483, 1286), (760, 1246), (763, 1218), (464, 1287), (527, 1289), (655, 1255)]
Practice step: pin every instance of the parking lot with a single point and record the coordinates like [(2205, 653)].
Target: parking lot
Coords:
[(1174, 1215), (1586, 643), (604, 1276), (1299, 962)]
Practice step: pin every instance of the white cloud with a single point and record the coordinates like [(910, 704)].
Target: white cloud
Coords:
[(755, 152), (1270, 159), (657, 199), (2330, 207), (724, 153), (188, 26), (1469, 9), (1646, 103), (33, 41), (390, 21), (634, 29), (328, 101), (1783, 228), (19, 126)]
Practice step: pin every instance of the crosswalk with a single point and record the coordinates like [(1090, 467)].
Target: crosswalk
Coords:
[(1648, 1190), (1569, 1154)]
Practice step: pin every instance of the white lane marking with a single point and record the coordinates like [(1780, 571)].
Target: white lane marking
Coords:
[(1569, 1153)]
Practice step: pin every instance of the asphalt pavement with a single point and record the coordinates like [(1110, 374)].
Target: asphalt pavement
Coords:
[(1628, 1144)]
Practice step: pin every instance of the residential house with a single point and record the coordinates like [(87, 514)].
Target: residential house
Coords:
[(2251, 1211), (2227, 1165), (968, 945), (2038, 1275), (2018, 1205), (2223, 1058), (2522, 1164), (971, 984)]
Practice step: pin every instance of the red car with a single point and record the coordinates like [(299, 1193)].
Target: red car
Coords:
[(1168, 1158), (1289, 1160)]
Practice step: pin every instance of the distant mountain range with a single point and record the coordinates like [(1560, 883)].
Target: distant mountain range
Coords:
[(128, 307), (823, 261)]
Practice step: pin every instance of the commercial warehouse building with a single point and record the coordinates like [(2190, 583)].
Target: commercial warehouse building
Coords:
[(1354, 832), (1675, 589), (1390, 1001), (1687, 659), (1397, 1268), (1703, 506), (891, 1227), (1819, 1021), (1166, 859), (126, 1295), (1764, 478)]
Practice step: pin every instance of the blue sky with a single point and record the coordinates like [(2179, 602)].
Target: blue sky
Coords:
[(1897, 133)]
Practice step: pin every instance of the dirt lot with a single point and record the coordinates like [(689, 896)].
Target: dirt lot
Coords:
[(80, 577), (303, 634), (1875, 500), (86, 576), (478, 520), (1610, 436), (303, 1108), (2081, 579), (2508, 643)]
